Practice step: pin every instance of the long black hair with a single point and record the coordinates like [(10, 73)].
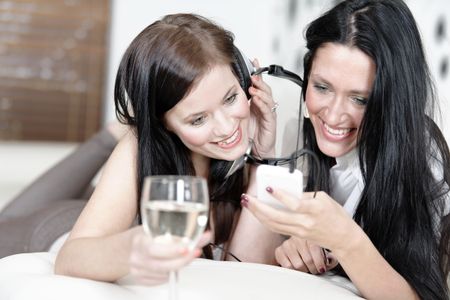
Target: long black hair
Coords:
[(403, 156), (159, 68)]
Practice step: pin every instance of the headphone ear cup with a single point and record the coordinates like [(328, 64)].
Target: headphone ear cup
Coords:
[(244, 69)]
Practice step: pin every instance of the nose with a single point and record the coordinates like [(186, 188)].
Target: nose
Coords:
[(336, 111), (223, 124)]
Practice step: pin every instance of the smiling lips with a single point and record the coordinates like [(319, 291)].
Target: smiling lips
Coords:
[(340, 133), (232, 141)]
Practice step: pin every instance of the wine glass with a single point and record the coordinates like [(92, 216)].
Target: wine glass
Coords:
[(174, 210)]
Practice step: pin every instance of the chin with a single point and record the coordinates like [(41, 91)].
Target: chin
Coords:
[(234, 154), (335, 151)]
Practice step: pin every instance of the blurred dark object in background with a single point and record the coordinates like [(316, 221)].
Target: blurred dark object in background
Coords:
[(52, 68)]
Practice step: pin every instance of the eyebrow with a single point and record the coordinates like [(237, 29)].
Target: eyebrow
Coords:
[(317, 77), (227, 94)]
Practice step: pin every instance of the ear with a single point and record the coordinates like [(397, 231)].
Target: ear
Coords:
[(244, 69), (306, 112)]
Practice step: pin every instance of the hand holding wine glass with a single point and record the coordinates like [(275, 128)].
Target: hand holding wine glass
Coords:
[(150, 263), (174, 213)]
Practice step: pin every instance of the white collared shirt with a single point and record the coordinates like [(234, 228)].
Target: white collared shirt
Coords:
[(346, 181)]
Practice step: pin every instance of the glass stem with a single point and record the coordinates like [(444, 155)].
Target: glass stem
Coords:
[(173, 285)]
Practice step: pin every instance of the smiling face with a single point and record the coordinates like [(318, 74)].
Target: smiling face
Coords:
[(212, 120), (339, 85)]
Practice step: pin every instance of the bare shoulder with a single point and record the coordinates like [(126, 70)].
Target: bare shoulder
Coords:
[(128, 144), (122, 159)]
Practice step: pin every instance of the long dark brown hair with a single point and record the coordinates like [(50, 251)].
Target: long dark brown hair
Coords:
[(159, 68)]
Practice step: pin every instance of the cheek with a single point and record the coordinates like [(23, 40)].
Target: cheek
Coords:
[(242, 110), (358, 119), (311, 102), (195, 137)]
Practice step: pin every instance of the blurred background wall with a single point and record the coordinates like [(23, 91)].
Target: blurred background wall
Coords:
[(272, 31), (252, 22), (58, 60), (52, 68)]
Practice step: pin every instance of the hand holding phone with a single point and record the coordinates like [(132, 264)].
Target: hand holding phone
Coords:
[(279, 178)]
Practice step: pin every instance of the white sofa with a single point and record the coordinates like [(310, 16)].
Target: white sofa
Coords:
[(30, 276)]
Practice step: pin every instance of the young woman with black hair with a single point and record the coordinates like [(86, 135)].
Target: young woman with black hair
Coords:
[(383, 208), (179, 89)]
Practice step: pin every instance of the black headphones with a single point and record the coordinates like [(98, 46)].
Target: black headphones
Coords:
[(244, 70)]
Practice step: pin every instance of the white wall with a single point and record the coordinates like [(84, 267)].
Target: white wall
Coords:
[(272, 31), (252, 22), (293, 16), (427, 14), (248, 20)]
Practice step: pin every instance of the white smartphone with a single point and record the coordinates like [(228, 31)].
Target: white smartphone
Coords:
[(279, 178)]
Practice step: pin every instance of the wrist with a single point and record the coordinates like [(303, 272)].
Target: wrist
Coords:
[(266, 153), (352, 243)]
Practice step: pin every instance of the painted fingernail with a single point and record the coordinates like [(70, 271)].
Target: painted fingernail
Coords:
[(322, 270), (269, 189), (244, 203)]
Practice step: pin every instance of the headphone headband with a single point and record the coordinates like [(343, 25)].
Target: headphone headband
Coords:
[(279, 71), (245, 69)]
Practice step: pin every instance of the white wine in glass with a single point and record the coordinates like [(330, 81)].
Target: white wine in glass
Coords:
[(174, 210)]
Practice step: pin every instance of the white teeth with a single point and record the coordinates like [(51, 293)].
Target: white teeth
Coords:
[(231, 139), (336, 131)]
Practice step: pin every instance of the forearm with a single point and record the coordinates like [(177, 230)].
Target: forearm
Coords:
[(97, 258), (252, 184), (370, 272), (252, 241)]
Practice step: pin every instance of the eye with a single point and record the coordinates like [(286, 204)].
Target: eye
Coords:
[(198, 121), (321, 88), (230, 100), (360, 101)]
